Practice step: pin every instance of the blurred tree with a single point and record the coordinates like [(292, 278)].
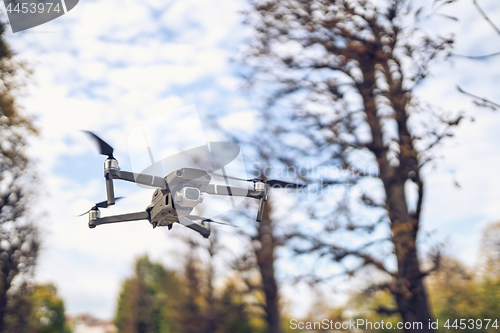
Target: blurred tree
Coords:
[(156, 300), (233, 311), (47, 312), (369, 306), (150, 300), (338, 78), (194, 304), (207, 309), (263, 240), (477, 100), (265, 243), (457, 294), (36, 309), (19, 237), (490, 252)]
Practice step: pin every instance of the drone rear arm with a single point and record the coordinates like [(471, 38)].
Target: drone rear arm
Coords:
[(139, 178), (94, 222), (194, 226), (233, 191), (240, 192)]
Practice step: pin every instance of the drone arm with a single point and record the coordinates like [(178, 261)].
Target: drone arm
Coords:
[(118, 218), (139, 178), (194, 226), (260, 210), (233, 191), (109, 189)]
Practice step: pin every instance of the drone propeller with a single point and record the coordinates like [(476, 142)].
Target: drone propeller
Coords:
[(195, 217), (110, 163), (271, 182), (102, 204), (104, 148)]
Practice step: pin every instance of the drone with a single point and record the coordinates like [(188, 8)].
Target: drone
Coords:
[(176, 194)]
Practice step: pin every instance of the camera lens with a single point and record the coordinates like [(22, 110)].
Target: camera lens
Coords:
[(192, 194)]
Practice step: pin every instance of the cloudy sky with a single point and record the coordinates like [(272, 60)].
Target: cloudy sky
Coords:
[(108, 65)]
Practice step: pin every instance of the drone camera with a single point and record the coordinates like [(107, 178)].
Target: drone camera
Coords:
[(188, 197)]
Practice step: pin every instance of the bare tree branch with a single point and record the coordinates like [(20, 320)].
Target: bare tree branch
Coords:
[(482, 101)]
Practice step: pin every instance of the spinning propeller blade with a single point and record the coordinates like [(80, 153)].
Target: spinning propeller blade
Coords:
[(195, 217), (104, 148), (271, 182), (102, 204)]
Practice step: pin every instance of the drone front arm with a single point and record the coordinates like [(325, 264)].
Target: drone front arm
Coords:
[(233, 191), (118, 218), (194, 226), (240, 192), (139, 178)]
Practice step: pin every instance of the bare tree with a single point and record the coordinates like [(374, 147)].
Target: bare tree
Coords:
[(339, 78), (480, 101), (256, 266), (264, 242), (19, 239)]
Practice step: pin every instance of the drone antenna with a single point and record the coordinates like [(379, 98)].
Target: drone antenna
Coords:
[(227, 184), (149, 146)]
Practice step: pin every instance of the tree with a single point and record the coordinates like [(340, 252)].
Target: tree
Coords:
[(37, 309), (490, 252), (150, 300), (460, 293), (19, 235), (47, 314), (263, 241), (339, 79), (457, 293), (478, 100), (205, 308), (159, 300)]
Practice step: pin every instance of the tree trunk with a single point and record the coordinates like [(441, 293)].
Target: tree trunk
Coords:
[(407, 287), (3, 310), (409, 290), (6, 283), (265, 261)]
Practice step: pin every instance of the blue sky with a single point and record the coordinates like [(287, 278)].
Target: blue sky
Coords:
[(105, 66)]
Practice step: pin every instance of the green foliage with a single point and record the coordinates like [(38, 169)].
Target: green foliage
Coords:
[(233, 316), (457, 293), (150, 300), (19, 234), (157, 300), (370, 307), (459, 296), (47, 313), (36, 309)]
